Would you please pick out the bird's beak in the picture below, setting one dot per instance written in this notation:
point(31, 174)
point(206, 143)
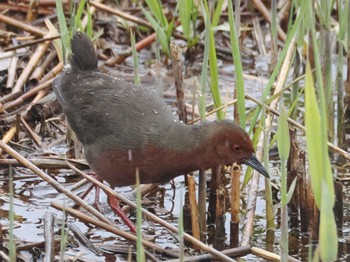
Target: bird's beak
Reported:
point(254, 163)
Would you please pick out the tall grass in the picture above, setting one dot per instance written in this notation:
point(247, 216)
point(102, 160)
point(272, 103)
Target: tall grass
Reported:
point(140, 253)
point(65, 38)
point(320, 170)
point(214, 76)
point(204, 73)
point(283, 142)
point(236, 54)
point(137, 80)
point(160, 24)
point(63, 46)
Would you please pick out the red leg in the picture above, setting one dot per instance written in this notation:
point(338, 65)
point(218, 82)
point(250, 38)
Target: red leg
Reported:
point(114, 204)
point(112, 201)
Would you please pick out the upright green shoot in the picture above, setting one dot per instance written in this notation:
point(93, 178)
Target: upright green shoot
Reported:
point(139, 247)
point(12, 245)
point(320, 170)
point(236, 54)
point(65, 38)
point(214, 76)
point(283, 142)
point(137, 80)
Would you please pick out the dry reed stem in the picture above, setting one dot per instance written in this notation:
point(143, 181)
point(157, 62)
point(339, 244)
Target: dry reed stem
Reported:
point(259, 36)
point(39, 71)
point(194, 209)
point(4, 256)
point(12, 72)
point(254, 183)
point(220, 210)
point(232, 252)
point(81, 216)
point(56, 185)
point(49, 223)
point(121, 14)
point(34, 60)
point(34, 42)
point(8, 136)
point(36, 139)
point(178, 78)
point(45, 163)
point(48, 2)
point(270, 256)
point(140, 45)
point(25, 27)
point(24, 9)
point(235, 205)
point(154, 218)
point(20, 100)
point(266, 14)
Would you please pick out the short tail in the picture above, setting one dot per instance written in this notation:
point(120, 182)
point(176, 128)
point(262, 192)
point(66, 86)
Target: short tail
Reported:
point(84, 57)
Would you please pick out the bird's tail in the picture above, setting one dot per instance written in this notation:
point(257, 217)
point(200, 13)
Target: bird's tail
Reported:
point(84, 57)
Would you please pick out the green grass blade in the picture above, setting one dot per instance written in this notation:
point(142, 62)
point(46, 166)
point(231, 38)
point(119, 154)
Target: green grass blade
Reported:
point(79, 14)
point(12, 245)
point(320, 170)
point(64, 30)
point(238, 67)
point(322, 131)
point(343, 20)
point(139, 246)
point(181, 231)
point(313, 136)
point(156, 8)
point(137, 80)
point(214, 76)
point(217, 13)
point(161, 34)
point(89, 30)
point(72, 21)
point(204, 77)
point(283, 141)
point(185, 9)
point(328, 238)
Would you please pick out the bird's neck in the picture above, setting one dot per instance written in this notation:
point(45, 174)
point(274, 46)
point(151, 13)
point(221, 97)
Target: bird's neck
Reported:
point(193, 143)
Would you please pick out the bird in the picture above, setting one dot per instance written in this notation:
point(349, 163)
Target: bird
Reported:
point(124, 127)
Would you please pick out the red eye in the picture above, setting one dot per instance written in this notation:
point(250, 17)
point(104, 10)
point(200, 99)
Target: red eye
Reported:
point(236, 148)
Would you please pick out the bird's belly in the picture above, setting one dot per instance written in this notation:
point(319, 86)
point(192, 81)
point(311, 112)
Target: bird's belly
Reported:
point(119, 167)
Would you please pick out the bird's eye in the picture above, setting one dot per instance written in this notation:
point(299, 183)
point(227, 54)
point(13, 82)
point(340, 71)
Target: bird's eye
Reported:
point(237, 148)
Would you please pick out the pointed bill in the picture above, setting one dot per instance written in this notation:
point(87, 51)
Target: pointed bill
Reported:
point(254, 163)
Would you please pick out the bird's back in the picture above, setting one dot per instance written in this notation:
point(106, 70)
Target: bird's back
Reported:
point(97, 104)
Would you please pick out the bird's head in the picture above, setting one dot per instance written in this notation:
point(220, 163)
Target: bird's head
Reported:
point(232, 144)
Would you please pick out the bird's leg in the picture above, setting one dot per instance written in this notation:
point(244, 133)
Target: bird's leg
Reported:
point(97, 192)
point(113, 202)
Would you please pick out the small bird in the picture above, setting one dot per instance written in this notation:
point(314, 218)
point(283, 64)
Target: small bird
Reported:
point(124, 127)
